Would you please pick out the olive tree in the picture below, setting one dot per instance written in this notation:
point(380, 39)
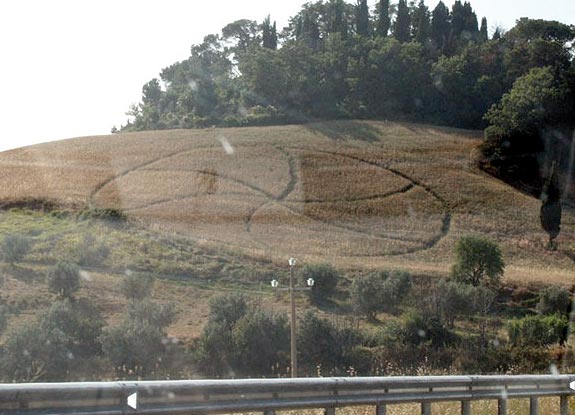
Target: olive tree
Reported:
point(478, 260)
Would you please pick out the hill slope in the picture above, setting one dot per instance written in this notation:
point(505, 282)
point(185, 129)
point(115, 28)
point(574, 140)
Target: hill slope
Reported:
point(355, 194)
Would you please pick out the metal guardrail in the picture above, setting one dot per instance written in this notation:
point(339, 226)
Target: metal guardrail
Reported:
point(270, 395)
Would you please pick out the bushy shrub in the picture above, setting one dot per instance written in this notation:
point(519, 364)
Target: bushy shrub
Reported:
point(477, 260)
point(241, 340)
point(136, 287)
point(554, 300)
point(325, 280)
point(105, 214)
point(261, 344)
point(227, 309)
point(325, 346)
point(64, 279)
point(80, 322)
point(138, 346)
point(379, 292)
point(33, 353)
point(90, 251)
point(15, 248)
point(537, 330)
point(418, 328)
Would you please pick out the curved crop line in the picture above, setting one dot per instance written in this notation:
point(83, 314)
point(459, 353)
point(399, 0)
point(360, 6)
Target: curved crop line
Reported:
point(271, 199)
point(446, 221)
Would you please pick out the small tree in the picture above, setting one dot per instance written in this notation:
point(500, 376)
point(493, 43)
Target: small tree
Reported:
point(325, 280)
point(64, 279)
point(453, 299)
point(15, 247)
point(138, 345)
point(379, 291)
point(477, 258)
point(550, 214)
point(554, 300)
point(137, 287)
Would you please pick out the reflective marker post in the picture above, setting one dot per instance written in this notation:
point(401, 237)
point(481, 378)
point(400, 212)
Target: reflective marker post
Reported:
point(292, 262)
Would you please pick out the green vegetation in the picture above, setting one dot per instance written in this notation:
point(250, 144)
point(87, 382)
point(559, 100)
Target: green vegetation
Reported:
point(379, 292)
point(554, 300)
point(15, 248)
point(478, 261)
point(64, 279)
point(325, 279)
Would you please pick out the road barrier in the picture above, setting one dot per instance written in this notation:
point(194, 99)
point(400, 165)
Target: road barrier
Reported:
point(271, 395)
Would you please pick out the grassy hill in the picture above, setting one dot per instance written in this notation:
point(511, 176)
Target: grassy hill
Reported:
point(218, 209)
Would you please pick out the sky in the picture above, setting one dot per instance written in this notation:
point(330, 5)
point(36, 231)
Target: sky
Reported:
point(72, 68)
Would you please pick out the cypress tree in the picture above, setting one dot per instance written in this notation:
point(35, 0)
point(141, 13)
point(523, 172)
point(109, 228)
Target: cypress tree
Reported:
point(483, 36)
point(401, 30)
point(440, 26)
point(383, 21)
point(421, 23)
point(550, 213)
point(362, 18)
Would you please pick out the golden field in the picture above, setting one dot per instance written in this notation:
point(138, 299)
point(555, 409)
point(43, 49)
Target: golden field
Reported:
point(357, 194)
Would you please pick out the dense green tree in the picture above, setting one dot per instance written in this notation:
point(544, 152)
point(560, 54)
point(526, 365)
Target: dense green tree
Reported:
point(242, 33)
point(550, 213)
point(379, 292)
point(440, 26)
point(325, 280)
point(325, 346)
point(383, 19)
point(138, 346)
point(483, 34)
point(421, 23)
point(402, 25)
point(554, 300)
point(478, 261)
point(260, 344)
point(362, 18)
point(269, 34)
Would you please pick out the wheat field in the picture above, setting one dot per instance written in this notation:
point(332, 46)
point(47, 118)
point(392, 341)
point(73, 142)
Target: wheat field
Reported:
point(356, 194)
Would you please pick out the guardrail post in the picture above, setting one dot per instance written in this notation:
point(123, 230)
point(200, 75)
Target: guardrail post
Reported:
point(381, 409)
point(329, 411)
point(564, 405)
point(502, 407)
point(533, 406)
point(425, 408)
point(465, 408)
point(270, 412)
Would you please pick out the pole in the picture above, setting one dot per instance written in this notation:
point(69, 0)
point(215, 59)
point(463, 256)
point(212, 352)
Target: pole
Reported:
point(293, 328)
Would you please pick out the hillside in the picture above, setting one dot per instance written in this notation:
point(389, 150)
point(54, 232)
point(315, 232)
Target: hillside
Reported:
point(354, 194)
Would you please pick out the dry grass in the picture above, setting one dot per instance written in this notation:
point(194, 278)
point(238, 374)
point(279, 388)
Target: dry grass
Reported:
point(358, 194)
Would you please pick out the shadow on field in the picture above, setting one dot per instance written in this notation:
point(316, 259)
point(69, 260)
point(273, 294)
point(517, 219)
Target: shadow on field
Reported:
point(346, 130)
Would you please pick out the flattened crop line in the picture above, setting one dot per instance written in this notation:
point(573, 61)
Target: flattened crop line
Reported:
point(292, 174)
point(283, 195)
point(106, 182)
point(404, 189)
point(446, 221)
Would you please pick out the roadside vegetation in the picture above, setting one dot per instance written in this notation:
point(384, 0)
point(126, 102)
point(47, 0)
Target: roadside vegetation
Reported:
point(58, 324)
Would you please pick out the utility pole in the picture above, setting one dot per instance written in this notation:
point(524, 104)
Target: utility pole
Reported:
point(293, 318)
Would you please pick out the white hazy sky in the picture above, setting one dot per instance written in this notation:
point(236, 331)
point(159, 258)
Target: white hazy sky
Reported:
point(72, 68)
